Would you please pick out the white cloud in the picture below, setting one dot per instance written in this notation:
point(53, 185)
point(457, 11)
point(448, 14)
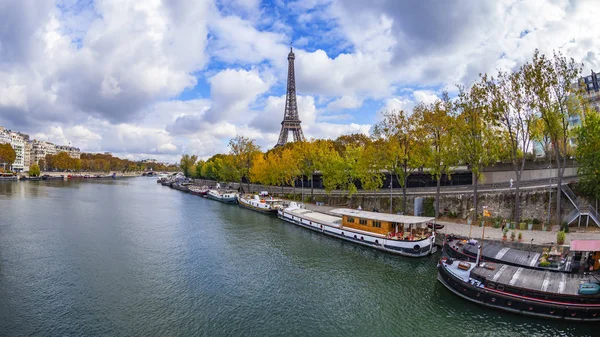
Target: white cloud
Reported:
point(129, 76)
point(345, 102)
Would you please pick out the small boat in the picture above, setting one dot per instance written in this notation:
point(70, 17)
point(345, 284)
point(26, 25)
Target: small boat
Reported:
point(392, 233)
point(437, 226)
point(200, 191)
point(8, 176)
point(25, 178)
point(228, 197)
point(181, 186)
point(49, 177)
point(521, 290)
point(260, 204)
point(589, 288)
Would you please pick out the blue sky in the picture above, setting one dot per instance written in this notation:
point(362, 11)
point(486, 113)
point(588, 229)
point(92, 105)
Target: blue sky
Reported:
point(156, 79)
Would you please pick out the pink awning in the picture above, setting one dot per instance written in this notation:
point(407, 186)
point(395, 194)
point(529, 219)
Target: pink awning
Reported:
point(585, 245)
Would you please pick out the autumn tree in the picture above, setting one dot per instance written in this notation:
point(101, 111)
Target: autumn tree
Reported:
point(243, 151)
point(553, 86)
point(341, 171)
point(404, 146)
point(354, 140)
point(478, 140)
point(436, 123)
point(34, 170)
point(510, 103)
point(371, 164)
point(7, 155)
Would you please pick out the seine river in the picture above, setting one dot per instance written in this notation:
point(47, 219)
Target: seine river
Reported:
point(133, 258)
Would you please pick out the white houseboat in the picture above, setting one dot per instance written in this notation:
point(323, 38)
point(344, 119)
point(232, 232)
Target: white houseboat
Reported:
point(260, 204)
point(397, 234)
point(228, 197)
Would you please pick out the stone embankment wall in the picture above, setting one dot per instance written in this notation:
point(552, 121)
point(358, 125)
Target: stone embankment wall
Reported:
point(534, 203)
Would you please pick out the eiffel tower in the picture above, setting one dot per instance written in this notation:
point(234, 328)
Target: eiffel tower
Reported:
point(291, 121)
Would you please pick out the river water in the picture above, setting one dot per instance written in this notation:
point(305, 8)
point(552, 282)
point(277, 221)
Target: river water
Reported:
point(133, 258)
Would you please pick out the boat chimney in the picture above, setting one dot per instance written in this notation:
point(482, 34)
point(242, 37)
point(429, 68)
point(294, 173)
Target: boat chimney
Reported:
point(478, 255)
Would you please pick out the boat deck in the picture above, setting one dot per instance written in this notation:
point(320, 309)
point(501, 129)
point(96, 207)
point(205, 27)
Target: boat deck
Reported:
point(536, 280)
point(315, 216)
point(509, 255)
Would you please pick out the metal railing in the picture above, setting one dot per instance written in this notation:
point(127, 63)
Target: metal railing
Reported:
point(581, 207)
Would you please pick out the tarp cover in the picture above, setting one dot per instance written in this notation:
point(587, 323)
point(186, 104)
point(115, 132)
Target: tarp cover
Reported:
point(585, 245)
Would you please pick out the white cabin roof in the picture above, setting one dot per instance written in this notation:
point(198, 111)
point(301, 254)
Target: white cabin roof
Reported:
point(406, 219)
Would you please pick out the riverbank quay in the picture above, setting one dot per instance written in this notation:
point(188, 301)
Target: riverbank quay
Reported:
point(538, 198)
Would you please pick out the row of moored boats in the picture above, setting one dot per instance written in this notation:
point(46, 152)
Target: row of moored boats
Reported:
point(492, 275)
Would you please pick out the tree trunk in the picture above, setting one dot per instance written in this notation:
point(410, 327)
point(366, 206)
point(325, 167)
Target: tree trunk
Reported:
point(302, 194)
point(558, 187)
point(404, 195)
point(311, 185)
point(475, 184)
point(517, 199)
point(437, 197)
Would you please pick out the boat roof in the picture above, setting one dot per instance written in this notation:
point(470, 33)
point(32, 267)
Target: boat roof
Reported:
point(407, 219)
point(585, 246)
point(531, 279)
point(314, 216)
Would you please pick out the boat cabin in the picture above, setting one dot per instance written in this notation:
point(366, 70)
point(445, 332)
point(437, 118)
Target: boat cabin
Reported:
point(397, 227)
point(587, 253)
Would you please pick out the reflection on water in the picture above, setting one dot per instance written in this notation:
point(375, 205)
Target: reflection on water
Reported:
point(130, 257)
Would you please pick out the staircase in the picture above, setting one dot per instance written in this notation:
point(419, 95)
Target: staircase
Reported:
point(582, 208)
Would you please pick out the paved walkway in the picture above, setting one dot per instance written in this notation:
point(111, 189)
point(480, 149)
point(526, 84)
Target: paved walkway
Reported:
point(539, 237)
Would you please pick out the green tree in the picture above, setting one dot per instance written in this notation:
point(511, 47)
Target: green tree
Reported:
point(588, 154)
point(243, 151)
point(7, 155)
point(370, 164)
point(437, 126)
point(552, 84)
point(34, 170)
point(199, 169)
point(341, 171)
point(404, 147)
point(478, 141)
point(187, 163)
point(510, 103)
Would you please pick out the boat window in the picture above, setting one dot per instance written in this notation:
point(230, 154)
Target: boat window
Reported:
point(500, 287)
point(377, 224)
point(350, 219)
point(362, 221)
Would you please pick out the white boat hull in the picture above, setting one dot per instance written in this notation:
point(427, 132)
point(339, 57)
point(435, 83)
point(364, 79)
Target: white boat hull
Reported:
point(405, 248)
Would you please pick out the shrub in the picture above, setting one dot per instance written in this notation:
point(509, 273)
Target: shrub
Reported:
point(428, 207)
point(520, 236)
point(452, 214)
point(560, 237)
point(522, 226)
point(565, 227)
point(544, 264)
point(536, 221)
point(513, 234)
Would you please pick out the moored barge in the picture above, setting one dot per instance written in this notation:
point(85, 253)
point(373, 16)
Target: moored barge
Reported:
point(464, 249)
point(523, 291)
point(228, 197)
point(397, 234)
point(265, 205)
